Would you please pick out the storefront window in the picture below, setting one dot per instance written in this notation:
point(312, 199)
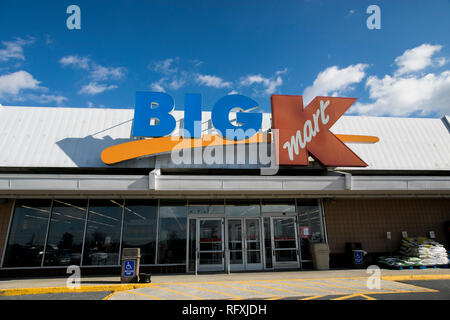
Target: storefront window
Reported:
point(310, 223)
point(65, 237)
point(192, 244)
point(102, 242)
point(139, 228)
point(172, 232)
point(206, 207)
point(27, 235)
point(242, 208)
point(277, 206)
point(268, 243)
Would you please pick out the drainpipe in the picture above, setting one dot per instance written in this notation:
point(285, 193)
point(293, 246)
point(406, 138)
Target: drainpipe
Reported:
point(152, 178)
point(348, 180)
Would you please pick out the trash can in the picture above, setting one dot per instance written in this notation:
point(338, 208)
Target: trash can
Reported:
point(145, 277)
point(130, 265)
point(320, 256)
point(358, 259)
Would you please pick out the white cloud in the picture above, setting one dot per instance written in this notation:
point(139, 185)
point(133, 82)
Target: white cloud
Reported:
point(75, 61)
point(104, 73)
point(13, 83)
point(212, 81)
point(95, 72)
point(14, 49)
point(13, 87)
point(409, 91)
point(48, 39)
point(402, 96)
point(174, 84)
point(281, 71)
point(157, 86)
point(94, 88)
point(233, 92)
point(196, 62)
point(165, 66)
point(334, 81)
point(46, 98)
point(269, 85)
point(417, 59)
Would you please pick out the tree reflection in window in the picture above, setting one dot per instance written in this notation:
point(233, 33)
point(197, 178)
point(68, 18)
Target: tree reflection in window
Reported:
point(65, 236)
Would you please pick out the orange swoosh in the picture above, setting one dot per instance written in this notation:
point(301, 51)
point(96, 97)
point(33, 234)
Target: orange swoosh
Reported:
point(140, 148)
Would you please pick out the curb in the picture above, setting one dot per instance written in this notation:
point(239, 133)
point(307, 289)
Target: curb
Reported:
point(93, 288)
point(417, 277)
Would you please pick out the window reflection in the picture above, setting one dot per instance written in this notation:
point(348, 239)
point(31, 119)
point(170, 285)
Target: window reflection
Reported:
point(139, 228)
point(27, 235)
point(103, 232)
point(240, 208)
point(310, 220)
point(206, 207)
point(277, 206)
point(65, 237)
point(172, 232)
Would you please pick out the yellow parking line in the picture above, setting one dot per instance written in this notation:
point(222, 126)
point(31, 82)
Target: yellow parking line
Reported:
point(274, 298)
point(243, 289)
point(144, 295)
point(367, 297)
point(390, 288)
point(109, 295)
point(273, 288)
point(359, 284)
point(178, 292)
point(312, 297)
point(335, 286)
point(305, 287)
point(217, 292)
point(347, 297)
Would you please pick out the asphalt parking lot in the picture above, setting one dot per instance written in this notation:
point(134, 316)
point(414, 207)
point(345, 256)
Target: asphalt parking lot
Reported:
point(428, 284)
point(289, 289)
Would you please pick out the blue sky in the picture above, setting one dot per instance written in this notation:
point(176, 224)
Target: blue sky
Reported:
point(255, 48)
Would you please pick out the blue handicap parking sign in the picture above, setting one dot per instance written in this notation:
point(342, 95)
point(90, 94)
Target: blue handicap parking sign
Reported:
point(128, 268)
point(358, 257)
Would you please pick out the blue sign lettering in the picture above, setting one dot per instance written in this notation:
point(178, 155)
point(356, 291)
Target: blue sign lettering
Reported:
point(152, 116)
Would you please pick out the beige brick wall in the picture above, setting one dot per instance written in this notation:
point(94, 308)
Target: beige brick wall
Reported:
point(5, 214)
point(367, 221)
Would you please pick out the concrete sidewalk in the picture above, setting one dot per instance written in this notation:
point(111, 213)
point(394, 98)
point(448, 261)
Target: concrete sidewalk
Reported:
point(113, 283)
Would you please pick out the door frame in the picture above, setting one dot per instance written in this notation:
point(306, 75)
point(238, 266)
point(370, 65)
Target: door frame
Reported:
point(290, 265)
point(245, 266)
point(209, 268)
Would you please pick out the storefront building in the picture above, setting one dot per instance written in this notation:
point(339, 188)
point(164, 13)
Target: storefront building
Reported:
point(61, 204)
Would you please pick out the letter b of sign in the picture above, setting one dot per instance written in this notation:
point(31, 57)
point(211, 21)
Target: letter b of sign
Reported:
point(374, 20)
point(74, 20)
point(152, 116)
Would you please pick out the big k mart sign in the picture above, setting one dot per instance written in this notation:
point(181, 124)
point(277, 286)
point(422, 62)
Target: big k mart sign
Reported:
point(296, 132)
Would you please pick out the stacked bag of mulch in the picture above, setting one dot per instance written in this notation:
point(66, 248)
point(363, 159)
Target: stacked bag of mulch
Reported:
point(428, 251)
point(397, 261)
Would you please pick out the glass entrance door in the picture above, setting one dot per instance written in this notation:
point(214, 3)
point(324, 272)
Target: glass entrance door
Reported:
point(244, 244)
point(284, 243)
point(235, 247)
point(210, 245)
